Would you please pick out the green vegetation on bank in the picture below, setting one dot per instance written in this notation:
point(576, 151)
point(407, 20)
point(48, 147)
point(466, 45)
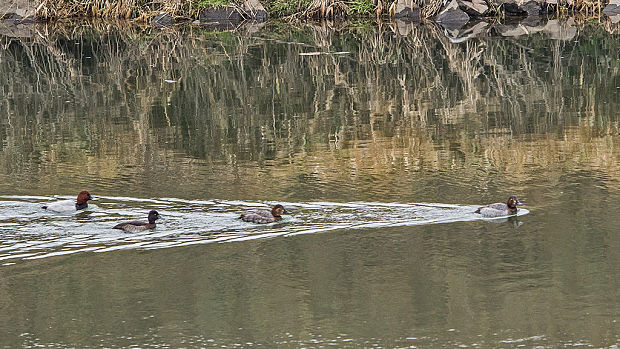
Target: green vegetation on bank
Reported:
point(280, 8)
point(212, 3)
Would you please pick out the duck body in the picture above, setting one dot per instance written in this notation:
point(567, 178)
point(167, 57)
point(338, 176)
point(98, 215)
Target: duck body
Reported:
point(262, 217)
point(499, 209)
point(138, 226)
point(68, 206)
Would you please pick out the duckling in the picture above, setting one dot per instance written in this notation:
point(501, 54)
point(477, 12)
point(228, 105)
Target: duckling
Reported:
point(265, 216)
point(70, 205)
point(137, 226)
point(499, 209)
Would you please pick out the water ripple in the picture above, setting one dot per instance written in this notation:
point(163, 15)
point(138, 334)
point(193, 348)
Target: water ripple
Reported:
point(27, 232)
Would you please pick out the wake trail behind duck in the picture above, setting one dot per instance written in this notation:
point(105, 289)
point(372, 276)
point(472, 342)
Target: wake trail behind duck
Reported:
point(29, 232)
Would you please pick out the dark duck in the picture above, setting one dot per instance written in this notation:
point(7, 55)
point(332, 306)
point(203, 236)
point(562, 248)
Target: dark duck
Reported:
point(265, 216)
point(137, 226)
point(499, 209)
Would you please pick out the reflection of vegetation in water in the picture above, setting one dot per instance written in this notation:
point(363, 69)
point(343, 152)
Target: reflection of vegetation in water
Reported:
point(142, 97)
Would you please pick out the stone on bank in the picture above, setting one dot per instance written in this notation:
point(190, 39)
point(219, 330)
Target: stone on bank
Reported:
point(248, 10)
point(17, 10)
point(405, 9)
point(452, 17)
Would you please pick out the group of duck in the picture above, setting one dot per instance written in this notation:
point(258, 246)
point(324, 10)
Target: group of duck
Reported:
point(67, 206)
point(260, 217)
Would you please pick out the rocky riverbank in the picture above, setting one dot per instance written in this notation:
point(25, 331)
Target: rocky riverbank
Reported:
point(452, 14)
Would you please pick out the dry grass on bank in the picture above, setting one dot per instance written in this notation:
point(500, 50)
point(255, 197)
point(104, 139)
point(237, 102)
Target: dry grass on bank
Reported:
point(144, 10)
point(126, 9)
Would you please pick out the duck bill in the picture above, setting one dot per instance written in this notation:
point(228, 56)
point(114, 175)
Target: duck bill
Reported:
point(286, 212)
point(519, 203)
point(92, 198)
point(160, 218)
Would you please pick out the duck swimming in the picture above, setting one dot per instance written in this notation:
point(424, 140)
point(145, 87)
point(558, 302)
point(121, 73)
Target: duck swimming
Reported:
point(265, 216)
point(136, 226)
point(70, 205)
point(499, 209)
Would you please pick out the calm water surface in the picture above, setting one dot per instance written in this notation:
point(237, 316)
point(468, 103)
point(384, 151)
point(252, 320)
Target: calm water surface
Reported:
point(381, 141)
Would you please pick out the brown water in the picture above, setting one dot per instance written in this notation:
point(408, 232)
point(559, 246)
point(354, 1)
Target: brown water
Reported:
point(381, 146)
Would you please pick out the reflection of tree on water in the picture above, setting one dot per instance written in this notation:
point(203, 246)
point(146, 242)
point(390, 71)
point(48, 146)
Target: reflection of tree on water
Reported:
point(394, 103)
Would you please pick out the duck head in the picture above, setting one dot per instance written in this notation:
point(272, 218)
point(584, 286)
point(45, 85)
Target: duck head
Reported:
point(153, 216)
point(513, 201)
point(278, 210)
point(84, 196)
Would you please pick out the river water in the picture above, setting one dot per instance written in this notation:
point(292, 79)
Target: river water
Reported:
point(380, 140)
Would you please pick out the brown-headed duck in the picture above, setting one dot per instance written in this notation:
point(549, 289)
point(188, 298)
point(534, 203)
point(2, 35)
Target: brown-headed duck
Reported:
point(265, 216)
point(137, 226)
point(70, 205)
point(499, 209)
